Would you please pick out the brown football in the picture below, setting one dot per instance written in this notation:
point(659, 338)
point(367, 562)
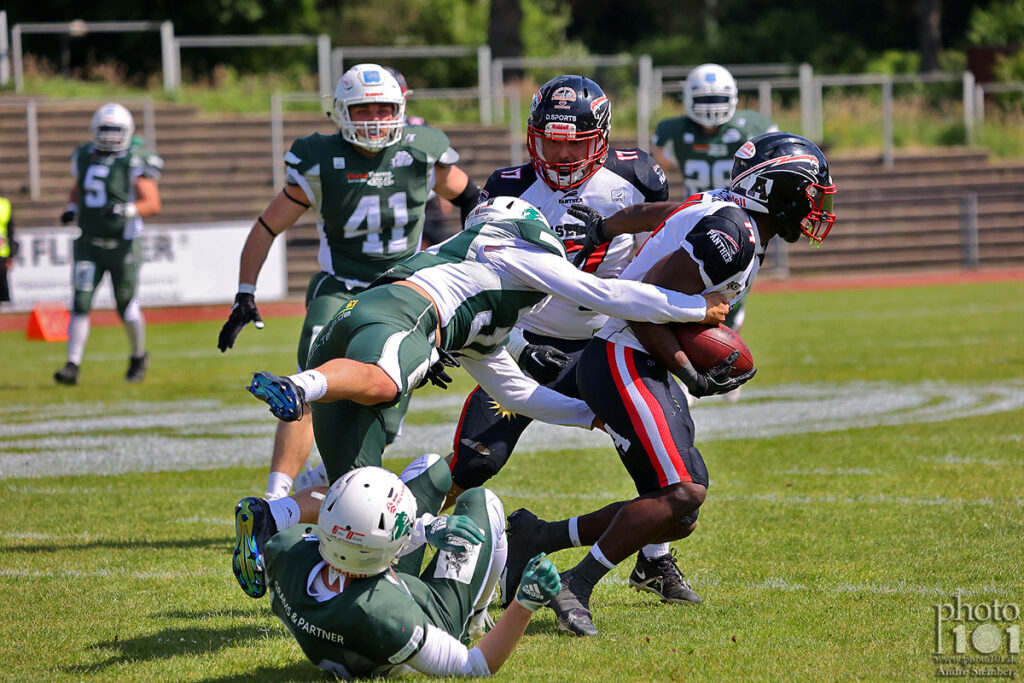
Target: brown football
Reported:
point(709, 345)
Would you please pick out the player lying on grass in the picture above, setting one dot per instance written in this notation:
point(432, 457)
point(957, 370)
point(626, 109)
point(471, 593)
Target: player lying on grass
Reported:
point(712, 242)
point(353, 614)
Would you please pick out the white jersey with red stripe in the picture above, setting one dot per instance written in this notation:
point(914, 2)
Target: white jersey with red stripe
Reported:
point(718, 235)
point(629, 176)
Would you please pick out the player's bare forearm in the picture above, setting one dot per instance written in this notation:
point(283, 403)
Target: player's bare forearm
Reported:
point(501, 640)
point(280, 214)
point(449, 181)
point(73, 195)
point(639, 218)
point(147, 197)
point(660, 342)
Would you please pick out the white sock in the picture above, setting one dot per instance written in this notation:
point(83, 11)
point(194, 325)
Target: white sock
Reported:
point(135, 326)
point(278, 485)
point(655, 550)
point(78, 334)
point(312, 382)
point(285, 512)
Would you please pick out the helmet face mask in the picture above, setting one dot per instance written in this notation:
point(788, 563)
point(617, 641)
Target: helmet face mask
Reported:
point(710, 95)
point(368, 84)
point(112, 127)
point(785, 176)
point(566, 110)
point(365, 521)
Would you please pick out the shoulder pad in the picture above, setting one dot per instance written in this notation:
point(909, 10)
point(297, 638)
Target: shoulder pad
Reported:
point(302, 154)
point(723, 242)
point(667, 128)
point(509, 182)
point(640, 170)
point(431, 141)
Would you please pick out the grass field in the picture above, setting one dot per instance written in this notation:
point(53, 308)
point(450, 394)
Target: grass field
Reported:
point(871, 472)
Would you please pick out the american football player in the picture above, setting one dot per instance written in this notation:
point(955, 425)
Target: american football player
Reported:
point(355, 615)
point(115, 187)
point(369, 184)
point(780, 186)
point(701, 144)
point(570, 165)
point(456, 301)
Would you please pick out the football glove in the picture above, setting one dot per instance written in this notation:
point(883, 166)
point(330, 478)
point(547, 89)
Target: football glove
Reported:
point(67, 217)
point(593, 224)
point(243, 312)
point(542, 362)
point(714, 381)
point(539, 584)
point(442, 530)
point(436, 374)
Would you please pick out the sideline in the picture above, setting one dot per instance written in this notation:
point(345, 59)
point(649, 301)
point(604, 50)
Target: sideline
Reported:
point(294, 306)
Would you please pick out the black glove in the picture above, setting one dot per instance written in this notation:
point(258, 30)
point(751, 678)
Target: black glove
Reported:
point(243, 312)
point(593, 224)
point(436, 374)
point(542, 362)
point(714, 381)
point(67, 217)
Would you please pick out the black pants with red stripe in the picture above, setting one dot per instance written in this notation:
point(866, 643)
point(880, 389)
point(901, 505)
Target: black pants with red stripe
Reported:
point(486, 437)
point(644, 411)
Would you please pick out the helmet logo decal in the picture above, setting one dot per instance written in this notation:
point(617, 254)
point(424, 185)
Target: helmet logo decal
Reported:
point(371, 77)
point(560, 131)
point(563, 96)
point(598, 103)
point(402, 526)
point(747, 151)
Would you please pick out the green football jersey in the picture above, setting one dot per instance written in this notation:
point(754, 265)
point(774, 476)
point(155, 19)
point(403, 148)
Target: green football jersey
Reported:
point(372, 625)
point(371, 208)
point(105, 180)
point(478, 307)
point(706, 160)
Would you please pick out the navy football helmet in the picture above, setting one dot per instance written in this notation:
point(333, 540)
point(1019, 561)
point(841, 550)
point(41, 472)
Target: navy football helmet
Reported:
point(569, 108)
point(785, 176)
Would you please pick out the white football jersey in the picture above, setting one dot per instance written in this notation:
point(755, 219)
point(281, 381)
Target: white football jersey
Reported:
point(720, 237)
point(628, 177)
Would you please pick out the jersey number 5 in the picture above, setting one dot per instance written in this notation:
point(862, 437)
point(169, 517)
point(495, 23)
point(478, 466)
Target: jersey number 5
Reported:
point(95, 188)
point(368, 211)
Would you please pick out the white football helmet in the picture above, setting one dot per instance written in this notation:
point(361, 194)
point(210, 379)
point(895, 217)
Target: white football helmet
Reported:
point(503, 209)
point(112, 128)
point(710, 95)
point(365, 521)
point(368, 83)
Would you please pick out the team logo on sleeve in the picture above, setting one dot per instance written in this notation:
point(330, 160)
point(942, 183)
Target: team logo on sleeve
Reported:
point(726, 245)
point(629, 155)
point(402, 158)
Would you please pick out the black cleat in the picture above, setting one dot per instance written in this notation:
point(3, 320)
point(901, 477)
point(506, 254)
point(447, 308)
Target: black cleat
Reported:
point(254, 525)
point(137, 368)
point(573, 610)
point(662, 577)
point(67, 374)
point(522, 531)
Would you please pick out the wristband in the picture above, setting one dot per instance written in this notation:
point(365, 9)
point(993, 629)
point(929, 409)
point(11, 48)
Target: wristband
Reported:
point(72, 207)
point(516, 343)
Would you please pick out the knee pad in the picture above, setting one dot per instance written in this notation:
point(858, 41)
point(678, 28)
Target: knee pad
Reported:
point(473, 468)
point(131, 311)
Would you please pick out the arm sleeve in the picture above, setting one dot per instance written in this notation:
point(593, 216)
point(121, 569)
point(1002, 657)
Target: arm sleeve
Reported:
point(623, 299)
point(443, 655)
point(501, 377)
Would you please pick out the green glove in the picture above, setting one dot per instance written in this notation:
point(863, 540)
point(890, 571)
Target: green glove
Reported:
point(440, 532)
point(539, 584)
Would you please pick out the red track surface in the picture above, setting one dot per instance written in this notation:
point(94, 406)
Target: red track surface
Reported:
point(10, 322)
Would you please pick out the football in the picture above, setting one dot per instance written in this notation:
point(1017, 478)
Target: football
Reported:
point(709, 345)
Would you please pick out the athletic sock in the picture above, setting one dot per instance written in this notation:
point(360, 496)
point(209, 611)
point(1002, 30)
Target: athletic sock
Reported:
point(78, 335)
point(285, 512)
point(654, 550)
point(278, 485)
point(312, 382)
point(554, 536)
point(584, 576)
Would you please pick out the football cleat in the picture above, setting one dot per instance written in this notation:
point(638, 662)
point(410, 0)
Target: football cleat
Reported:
point(280, 393)
point(254, 525)
point(137, 368)
point(573, 610)
point(67, 374)
point(661, 576)
point(522, 532)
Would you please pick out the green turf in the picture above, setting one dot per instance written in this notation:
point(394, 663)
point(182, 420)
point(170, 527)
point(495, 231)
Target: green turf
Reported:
point(819, 555)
